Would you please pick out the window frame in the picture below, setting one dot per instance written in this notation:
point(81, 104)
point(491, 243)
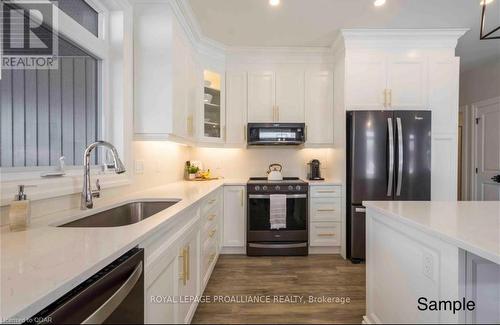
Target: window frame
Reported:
point(109, 91)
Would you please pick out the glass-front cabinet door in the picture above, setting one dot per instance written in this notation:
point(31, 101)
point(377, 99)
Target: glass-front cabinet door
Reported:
point(213, 106)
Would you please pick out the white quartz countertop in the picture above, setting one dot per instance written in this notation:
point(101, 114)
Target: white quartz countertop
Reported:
point(42, 263)
point(471, 226)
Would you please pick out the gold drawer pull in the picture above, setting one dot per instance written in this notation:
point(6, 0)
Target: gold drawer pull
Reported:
point(325, 191)
point(184, 273)
point(326, 235)
point(326, 210)
point(211, 217)
point(212, 201)
point(211, 258)
point(212, 233)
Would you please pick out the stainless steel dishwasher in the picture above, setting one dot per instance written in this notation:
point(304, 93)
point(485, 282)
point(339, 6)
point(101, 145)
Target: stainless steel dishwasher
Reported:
point(114, 295)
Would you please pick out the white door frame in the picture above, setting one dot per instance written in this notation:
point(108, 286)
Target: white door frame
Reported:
point(475, 107)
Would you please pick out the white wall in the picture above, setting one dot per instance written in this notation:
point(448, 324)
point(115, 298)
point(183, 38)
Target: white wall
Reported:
point(163, 163)
point(243, 163)
point(478, 83)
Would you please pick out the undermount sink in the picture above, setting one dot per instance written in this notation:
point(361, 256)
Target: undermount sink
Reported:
point(125, 214)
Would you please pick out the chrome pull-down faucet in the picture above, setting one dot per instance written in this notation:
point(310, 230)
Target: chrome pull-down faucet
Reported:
point(87, 193)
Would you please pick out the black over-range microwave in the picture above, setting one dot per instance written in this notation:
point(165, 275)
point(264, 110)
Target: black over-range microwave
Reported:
point(273, 134)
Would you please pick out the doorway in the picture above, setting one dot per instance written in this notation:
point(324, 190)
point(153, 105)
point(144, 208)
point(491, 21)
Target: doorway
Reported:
point(487, 150)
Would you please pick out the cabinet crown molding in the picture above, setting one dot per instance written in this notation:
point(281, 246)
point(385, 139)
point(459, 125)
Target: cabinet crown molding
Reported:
point(399, 38)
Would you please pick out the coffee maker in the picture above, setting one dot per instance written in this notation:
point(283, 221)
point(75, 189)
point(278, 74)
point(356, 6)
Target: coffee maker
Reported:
point(314, 170)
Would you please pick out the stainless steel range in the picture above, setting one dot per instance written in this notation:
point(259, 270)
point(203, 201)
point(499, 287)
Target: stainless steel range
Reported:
point(290, 240)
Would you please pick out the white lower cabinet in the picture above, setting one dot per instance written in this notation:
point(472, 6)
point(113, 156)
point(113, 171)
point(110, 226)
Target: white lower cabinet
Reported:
point(180, 260)
point(234, 216)
point(325, 212)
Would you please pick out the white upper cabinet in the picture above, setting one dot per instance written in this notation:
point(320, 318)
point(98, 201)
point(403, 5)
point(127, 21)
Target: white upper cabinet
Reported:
point(213, 114)
point(276, 97)
point(366, 79)
point(406, 81)
point(236, 108)
point(386, 81)
point(289, 97)
point(319, 107)
point(164, 75)
point(261, 97)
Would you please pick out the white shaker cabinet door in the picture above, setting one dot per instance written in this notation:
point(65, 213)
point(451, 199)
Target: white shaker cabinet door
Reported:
point(407, 81)
point(234, 216)
point(261, 97)
point(366, 81)
point(236, 107)
point(163, 281)
point(290, 97)
point(319, 107)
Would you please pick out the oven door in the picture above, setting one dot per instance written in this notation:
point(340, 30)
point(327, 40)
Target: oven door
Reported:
point(259, 227)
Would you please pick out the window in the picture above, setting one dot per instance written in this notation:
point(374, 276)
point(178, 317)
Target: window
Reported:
point(82, 13)
point(46, 114)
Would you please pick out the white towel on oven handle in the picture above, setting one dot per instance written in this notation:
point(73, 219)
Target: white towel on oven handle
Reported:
point(277, 211)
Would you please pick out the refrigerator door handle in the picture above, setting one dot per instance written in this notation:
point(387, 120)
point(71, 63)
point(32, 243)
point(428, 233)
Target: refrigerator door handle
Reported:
point(391, 156)
point(400, 156)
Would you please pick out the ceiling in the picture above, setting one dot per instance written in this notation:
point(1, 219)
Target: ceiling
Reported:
point(303, 23)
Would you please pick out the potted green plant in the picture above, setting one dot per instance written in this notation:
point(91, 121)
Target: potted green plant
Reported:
point(192, 170)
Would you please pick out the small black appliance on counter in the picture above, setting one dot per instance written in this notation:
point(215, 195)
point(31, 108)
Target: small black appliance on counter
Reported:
point(314, 171)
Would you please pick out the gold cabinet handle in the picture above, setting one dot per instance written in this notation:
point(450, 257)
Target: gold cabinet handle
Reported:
point(212, 201)
point(211, 258)
point(385, 97)
point(241, 197)
point(212, 233)
point(326, 235)
point(326, 210)
point(183, 275)
point(211, 217)
point(245, 133)
point(325, 191)
point(390, 97)
point(188, 265)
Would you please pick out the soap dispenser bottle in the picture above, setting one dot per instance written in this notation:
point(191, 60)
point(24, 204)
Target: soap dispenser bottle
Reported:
point(19, 211)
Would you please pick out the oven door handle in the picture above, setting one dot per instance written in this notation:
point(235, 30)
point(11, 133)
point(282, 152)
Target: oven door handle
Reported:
point(267, 196)
point(297, 245)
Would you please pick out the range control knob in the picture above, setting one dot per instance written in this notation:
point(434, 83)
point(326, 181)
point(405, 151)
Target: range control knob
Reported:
point(257, 187)
point(264, 188)
point(290, 187)
point(277, 188)
point(298, 188)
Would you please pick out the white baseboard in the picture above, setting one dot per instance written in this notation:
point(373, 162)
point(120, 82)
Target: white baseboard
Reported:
point(324, 250)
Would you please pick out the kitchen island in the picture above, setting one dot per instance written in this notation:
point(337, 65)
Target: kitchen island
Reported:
point(432, 262)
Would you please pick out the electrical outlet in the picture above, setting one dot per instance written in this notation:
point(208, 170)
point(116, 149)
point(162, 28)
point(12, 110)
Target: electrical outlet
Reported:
point(428, 265)
point(139, 167)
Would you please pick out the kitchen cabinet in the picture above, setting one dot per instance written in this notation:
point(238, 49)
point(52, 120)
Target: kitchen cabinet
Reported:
point(376, 81)
point(165, 72)
point(236, 108)
point(213, 115)
point(276, 97)
point(162, 283)
point(234, 216)
point(188, 267)
point(325, 213)
point(180, 260)
point(289, 96)
point(319, 107)
point(261, 97)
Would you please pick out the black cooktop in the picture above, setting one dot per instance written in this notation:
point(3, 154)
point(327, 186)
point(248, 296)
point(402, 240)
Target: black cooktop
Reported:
point(286, 180)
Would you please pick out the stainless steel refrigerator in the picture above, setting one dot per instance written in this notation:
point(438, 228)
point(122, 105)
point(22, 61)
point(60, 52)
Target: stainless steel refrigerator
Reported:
point(388, 158)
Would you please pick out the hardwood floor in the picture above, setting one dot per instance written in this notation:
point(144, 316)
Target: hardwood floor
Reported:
point(241, 277)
